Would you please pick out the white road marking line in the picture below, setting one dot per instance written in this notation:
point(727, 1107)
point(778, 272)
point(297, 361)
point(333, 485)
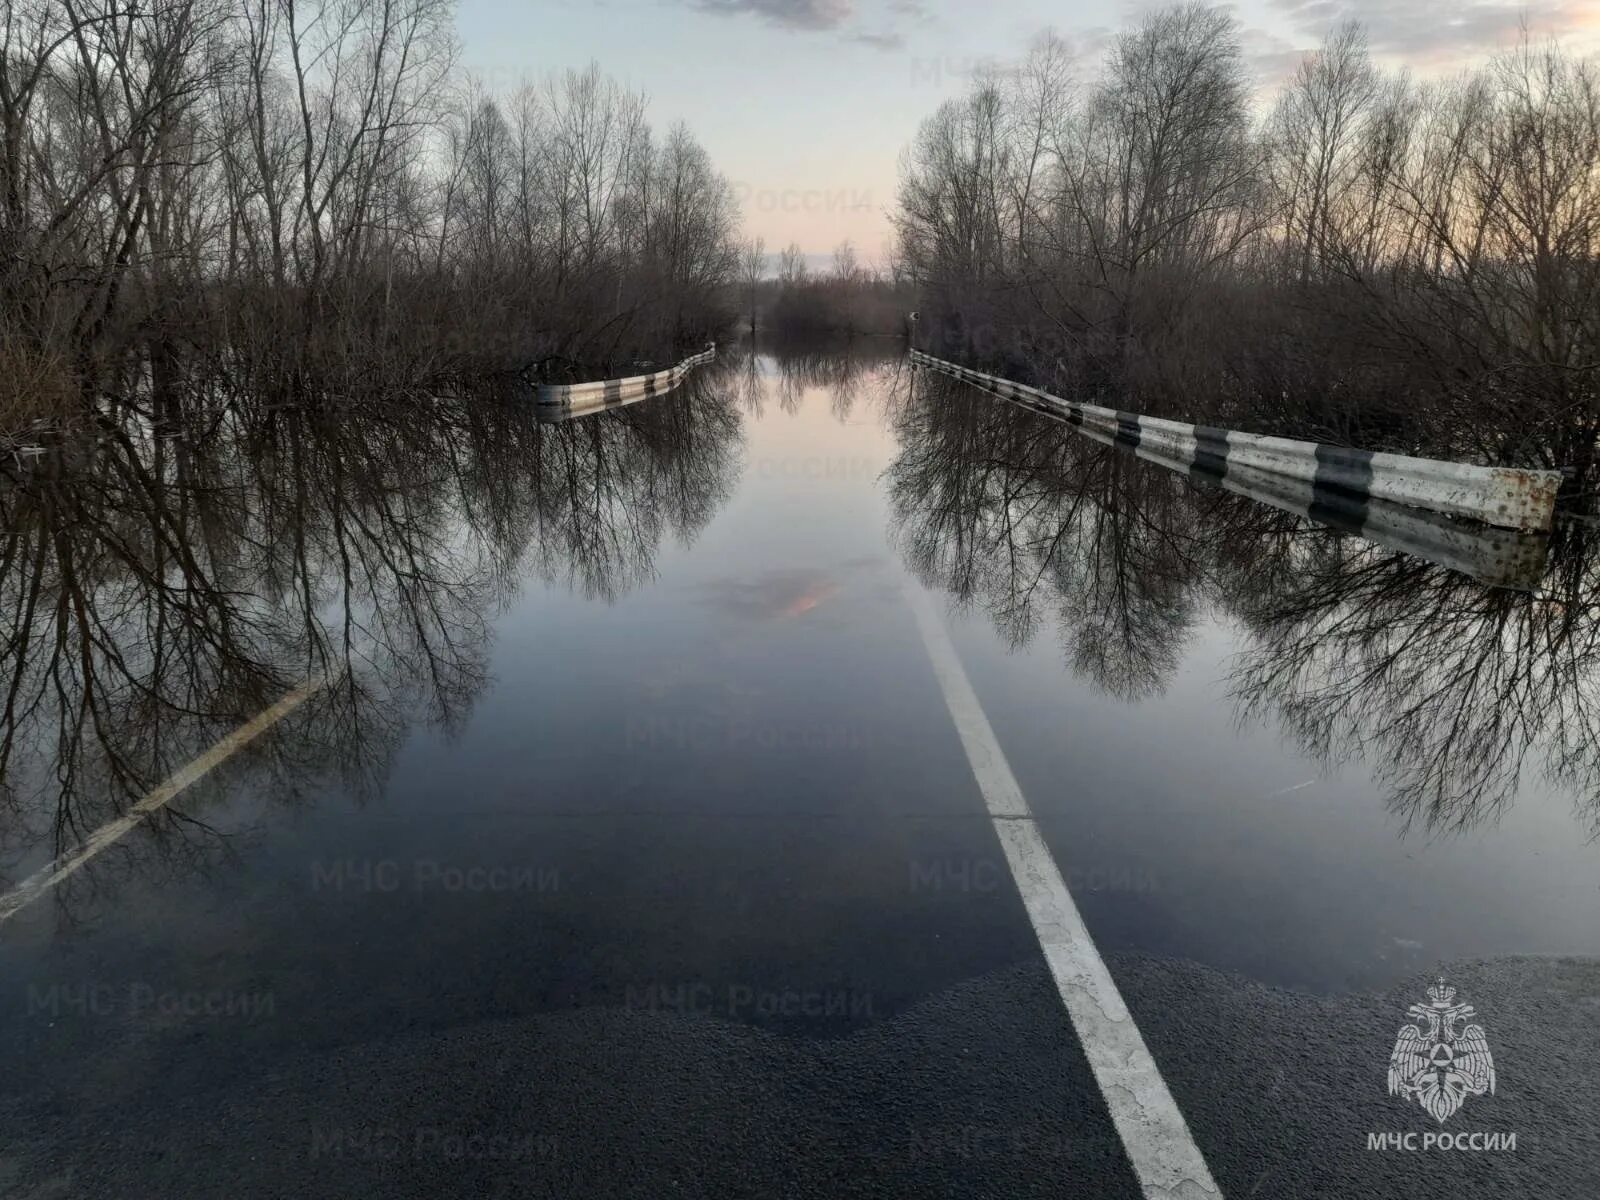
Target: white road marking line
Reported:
point(1157, 1139)
point(1286, 790)
point(108, 834)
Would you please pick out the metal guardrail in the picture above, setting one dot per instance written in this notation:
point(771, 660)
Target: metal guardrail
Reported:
point(565, 399)
point(1510, 497)
point(663, 383)
point(1508, 558)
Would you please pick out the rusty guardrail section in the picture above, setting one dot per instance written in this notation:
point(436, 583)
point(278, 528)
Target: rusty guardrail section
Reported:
point(558, 401)
point(1510, 497)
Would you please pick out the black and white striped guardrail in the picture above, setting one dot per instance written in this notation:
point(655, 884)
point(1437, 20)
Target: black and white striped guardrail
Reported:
point(1510, 497)
point(1508, 558)
point(663, 383)
point(559, 400)
point(1498, 557)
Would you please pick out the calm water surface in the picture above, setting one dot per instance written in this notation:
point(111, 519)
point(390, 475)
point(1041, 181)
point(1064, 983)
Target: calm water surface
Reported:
point(662, 656)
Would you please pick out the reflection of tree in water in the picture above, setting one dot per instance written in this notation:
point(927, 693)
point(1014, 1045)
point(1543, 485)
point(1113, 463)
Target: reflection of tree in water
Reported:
point(1444, 687)
point(840, 369)
point(158, 591)
point(748, 379)
point(1447, 689)
point(607, 490)
point(998, 507)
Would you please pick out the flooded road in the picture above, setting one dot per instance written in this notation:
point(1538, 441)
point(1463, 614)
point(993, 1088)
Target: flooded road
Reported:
point(623, 841)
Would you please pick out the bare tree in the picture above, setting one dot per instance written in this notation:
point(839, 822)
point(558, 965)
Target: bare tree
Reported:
point(304, 193)
point(752, 270)
point(1380, 263)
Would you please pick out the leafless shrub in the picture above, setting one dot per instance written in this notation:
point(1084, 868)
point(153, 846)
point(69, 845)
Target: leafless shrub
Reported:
point(1377, 262)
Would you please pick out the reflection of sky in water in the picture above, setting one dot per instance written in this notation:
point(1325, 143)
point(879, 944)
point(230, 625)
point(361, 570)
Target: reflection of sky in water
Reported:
point(693, 610)
point(773, 594)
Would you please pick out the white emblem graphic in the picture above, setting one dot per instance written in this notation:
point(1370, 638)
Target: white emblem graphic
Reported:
point(1441, 1066)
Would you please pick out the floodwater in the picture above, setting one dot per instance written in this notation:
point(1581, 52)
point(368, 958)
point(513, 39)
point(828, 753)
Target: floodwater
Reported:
point(629, 714)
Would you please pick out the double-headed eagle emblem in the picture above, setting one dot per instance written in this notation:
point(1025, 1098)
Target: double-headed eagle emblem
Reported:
point(1438, 1065)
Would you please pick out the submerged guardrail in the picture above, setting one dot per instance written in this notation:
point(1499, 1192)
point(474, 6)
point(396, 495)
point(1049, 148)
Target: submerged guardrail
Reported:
point(1510, 497)
point(554, 412)
point(558, 401)
point(1508, 558)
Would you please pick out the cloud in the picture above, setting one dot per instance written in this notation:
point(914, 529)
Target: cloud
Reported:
point(880, 28)
point(790, 14)
point(880, 41)
point(1428, 32)
point(1270, 59)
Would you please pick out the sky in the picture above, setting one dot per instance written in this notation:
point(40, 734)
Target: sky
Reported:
point(806, 105)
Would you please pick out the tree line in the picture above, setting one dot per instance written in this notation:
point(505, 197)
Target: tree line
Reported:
point(310, 194)
point(791, 300)
point(1365, 258)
